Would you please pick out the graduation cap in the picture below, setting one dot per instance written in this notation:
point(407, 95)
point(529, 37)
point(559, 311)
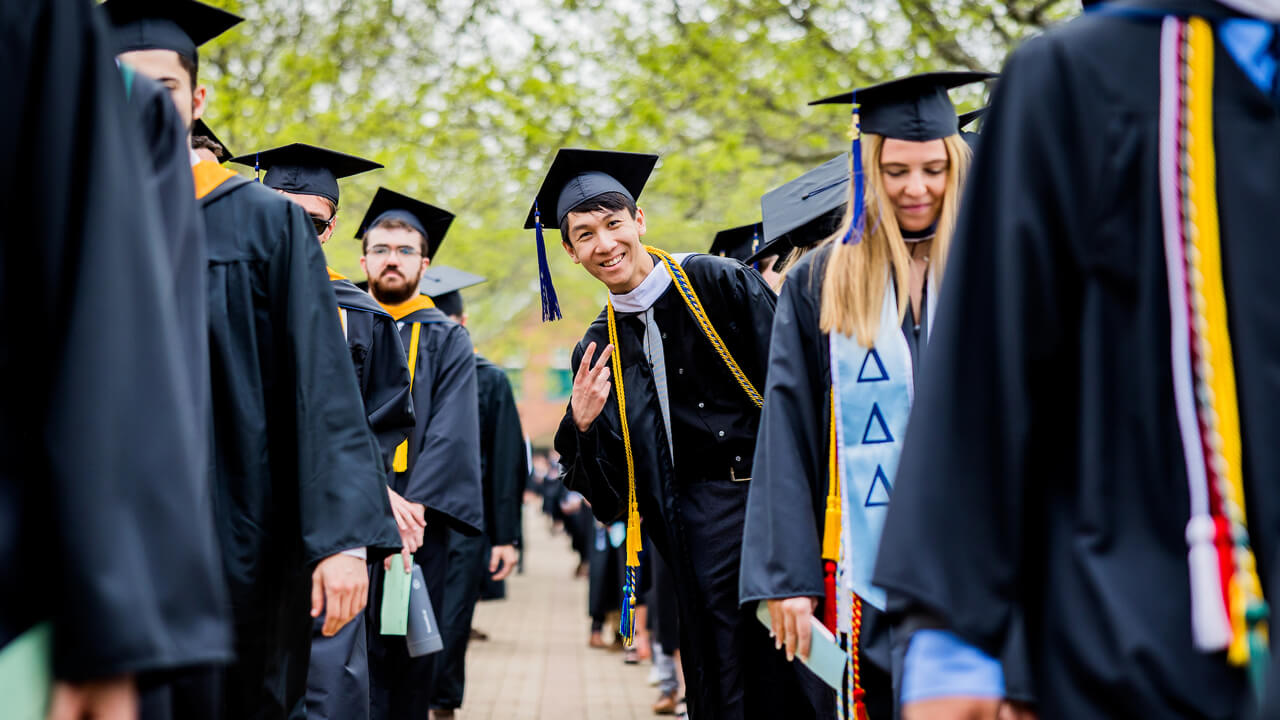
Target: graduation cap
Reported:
point(972, 116)
point(306, 169)
point(737, 243)
point(431, 221)
point(177, 25)
point(201, 130)
point(804, 211)
point(442, 284)
point(575, 177)
point(915, 108)
point(968, 119)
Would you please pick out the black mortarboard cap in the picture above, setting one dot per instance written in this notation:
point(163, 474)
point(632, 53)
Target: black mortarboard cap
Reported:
point(577, 176)
point(443, 283)
point(431, 221)
point(971, 117)
point(915, 108)
point(306, 169)
point(201, 129)
point(967, 119)
point(808, 208)
point(738, 243)
point(177, 25)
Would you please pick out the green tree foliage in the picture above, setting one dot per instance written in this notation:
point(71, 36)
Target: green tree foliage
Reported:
point(465, 101)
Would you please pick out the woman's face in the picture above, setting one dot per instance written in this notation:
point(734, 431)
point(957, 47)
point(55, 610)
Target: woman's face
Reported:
point(915, 179)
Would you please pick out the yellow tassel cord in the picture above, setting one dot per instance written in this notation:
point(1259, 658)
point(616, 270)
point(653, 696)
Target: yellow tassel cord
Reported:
point(833, 517)
point(634, 542)
point(695, 307)
point(401, 462)
point(1217, 370)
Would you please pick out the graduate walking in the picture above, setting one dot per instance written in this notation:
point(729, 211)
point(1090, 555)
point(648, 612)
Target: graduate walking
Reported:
point(338, 675)
point(1093, 444)
point(298, 495)
point(662, 421)
point(851, 331)
point(437, 470)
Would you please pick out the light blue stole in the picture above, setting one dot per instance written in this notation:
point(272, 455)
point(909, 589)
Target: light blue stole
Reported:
point(873, 392)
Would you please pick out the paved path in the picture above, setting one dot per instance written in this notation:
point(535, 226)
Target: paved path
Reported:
point(536, 663)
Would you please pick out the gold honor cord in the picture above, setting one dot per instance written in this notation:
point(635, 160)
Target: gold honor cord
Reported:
point(634, 542)
point(695, 307)
point(401, 462)
point(1219, 411)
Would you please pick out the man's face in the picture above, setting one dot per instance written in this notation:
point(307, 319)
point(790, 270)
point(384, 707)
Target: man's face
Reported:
point(393, 262)
point(608, 245)
point(321, 211)
point(165, 67)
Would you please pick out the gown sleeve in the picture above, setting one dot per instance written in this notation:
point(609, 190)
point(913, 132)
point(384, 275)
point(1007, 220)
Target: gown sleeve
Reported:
point(996, 384)
point(587, 467)
point(782, 544)
point(341, 490)
point(446, 473)
point(506, 464)
point(387, 400)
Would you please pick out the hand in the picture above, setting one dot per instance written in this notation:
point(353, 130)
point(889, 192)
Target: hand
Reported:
point(789, 624)
point(340, 588)
point(590, 387)
point(411, 520)
point(502, 560)
point(952, 708)
point(1012, 710)
point(111, 699)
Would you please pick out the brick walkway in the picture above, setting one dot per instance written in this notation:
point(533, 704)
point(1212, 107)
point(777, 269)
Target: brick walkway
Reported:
point(536, 663)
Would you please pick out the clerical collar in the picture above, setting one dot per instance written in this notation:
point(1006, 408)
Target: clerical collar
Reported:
point(408, 307)
point(643, 296)
point(915, 236)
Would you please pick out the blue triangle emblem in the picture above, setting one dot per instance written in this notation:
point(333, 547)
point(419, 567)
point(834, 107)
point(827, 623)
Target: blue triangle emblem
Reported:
point(878, 495)
point(878, 373)
point(877, 431)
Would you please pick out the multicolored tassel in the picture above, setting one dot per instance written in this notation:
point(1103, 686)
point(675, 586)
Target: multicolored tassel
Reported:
point(257, 175)
point(1229, 610)
point(857, 224)
point(550, 303)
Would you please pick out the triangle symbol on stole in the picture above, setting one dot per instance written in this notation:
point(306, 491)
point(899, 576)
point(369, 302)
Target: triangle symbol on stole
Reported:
point(878, 495)
point(877, 431)
point(878, 373)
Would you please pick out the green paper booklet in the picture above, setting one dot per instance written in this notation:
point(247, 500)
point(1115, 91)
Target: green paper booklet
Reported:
point(26, 674)
point(395, 599)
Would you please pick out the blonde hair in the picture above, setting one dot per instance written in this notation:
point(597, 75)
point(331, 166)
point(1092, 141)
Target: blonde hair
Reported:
point(854, 284)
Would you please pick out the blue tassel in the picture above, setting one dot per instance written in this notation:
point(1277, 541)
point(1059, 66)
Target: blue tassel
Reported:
point(755, 246)
point(854, 234)
point(550, 304)
point(256, 176)
point(629, 585)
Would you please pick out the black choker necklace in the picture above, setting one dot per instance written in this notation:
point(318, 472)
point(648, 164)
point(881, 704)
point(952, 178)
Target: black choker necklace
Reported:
point(915, 236)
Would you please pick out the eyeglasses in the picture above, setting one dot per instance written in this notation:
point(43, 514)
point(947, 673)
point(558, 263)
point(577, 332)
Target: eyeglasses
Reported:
point(321, 223)
point(404, 251)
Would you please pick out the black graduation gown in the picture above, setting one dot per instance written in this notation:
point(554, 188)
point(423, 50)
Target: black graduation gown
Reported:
point(782, 541)
point(444, 475)
point(296, 470)
point(692, 510)
point(502, 472)
point(503, 462)
point(104, 529)
point(338, 678)
point(382, 371)
point(1043, 467)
